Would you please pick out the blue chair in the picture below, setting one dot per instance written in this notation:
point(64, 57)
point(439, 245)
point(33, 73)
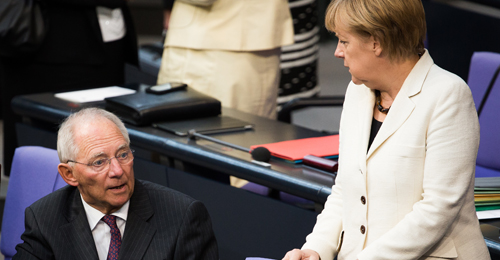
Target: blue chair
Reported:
point(485, 87)
point(33, 175)
point(482, 69)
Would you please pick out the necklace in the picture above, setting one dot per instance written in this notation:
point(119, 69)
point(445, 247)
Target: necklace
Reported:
point(379, 106)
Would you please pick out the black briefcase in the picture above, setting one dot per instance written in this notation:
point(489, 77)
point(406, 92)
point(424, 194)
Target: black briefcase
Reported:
point(144, 108)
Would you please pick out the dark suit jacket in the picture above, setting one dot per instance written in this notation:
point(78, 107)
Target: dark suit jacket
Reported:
point(162, 224)
point(72, 56)
point(74, 35)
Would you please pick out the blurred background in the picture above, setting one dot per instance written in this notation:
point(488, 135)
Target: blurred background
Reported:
point(456, 29)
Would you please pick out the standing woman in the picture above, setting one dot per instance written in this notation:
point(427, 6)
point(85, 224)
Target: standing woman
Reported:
point(409, 136)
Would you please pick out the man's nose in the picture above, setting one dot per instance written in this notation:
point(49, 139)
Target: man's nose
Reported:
point(115, 168)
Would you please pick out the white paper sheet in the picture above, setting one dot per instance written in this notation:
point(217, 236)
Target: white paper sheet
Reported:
point(96, 94)
point(488, 214)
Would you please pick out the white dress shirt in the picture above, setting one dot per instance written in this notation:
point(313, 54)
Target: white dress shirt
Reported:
point(111, 22)
point(101, 230)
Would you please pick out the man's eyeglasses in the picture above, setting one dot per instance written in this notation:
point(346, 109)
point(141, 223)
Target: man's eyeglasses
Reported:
point(102, 164)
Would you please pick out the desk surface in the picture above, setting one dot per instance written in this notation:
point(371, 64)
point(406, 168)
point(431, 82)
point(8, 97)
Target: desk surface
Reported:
point(303, 181)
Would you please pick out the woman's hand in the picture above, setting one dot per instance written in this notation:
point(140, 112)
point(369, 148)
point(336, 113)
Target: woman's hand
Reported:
point(297, 254)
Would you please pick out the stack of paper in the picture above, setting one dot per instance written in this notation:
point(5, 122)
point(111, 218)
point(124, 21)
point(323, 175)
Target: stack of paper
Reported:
point(487, 194)
point(95, 94)
point(295, 150)
point(487, 198)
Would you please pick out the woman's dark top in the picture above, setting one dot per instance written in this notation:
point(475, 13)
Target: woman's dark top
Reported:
point(375, 127)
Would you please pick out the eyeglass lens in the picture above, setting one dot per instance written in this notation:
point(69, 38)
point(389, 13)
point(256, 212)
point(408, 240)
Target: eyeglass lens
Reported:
point(122, 158)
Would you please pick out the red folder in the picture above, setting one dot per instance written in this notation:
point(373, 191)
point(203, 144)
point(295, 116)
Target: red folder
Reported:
point(295, 150)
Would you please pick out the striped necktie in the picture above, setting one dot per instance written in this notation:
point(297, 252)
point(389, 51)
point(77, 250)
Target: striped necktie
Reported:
point(116, 239)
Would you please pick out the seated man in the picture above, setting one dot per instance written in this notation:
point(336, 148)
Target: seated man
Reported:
point(104, 213)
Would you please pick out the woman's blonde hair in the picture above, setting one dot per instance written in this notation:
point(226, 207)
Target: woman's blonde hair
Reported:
point(399, 25)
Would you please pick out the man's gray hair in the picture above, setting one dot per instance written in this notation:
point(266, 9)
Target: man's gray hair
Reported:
point(67, 149)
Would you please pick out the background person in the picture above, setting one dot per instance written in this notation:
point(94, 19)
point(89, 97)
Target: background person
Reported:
point(409, 136)
point(228, 49)
point(151, 221)
point(87, 45)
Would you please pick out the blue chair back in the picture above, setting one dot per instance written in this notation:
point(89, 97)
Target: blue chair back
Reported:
point(481, 74)
point(33, 175)
point(489, 147)
point(482, 69)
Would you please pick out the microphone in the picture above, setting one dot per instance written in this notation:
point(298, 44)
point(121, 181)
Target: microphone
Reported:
point(192, 134)
point(260, 155)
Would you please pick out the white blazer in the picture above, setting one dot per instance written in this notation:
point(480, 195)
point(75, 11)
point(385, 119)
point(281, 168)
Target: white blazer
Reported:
point(411, 195)
point(231, 25)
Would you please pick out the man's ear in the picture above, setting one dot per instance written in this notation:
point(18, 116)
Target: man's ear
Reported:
point(66, 173)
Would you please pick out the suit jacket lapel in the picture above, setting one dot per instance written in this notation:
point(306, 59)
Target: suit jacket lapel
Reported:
point(403, 106)
point(365, 116)
point(400, 110)
point(138, 231)
point(77, 231)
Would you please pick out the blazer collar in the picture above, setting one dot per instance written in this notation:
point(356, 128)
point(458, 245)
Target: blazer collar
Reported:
point(138, 231)
point(365, 114)
point(402, 107)
point(77, 231)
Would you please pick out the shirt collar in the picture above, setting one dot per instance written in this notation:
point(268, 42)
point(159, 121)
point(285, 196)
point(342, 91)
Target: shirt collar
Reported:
point(94, 215)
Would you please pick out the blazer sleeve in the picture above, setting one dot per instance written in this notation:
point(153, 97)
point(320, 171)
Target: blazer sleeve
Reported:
point(34, 245)
point(326, 237)
point(327, 234)
point(196, 238)
point(452, 142)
